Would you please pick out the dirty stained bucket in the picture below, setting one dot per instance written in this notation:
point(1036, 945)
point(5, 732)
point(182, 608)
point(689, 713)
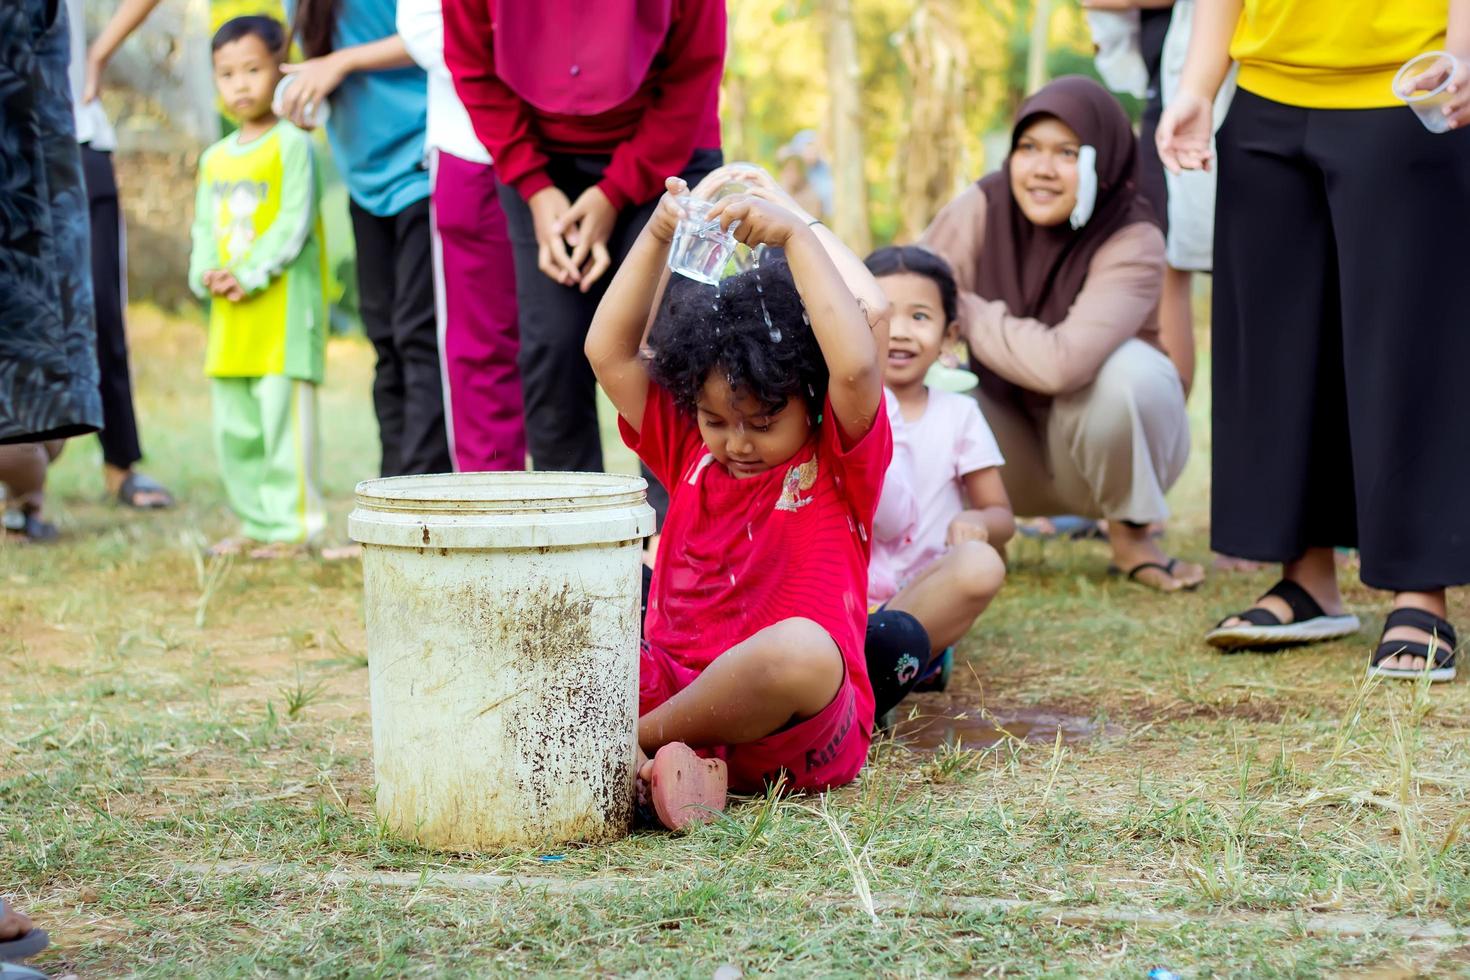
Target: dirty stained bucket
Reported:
point(502, 628)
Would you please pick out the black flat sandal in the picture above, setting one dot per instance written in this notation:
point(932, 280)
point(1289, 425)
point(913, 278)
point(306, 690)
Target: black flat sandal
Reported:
point(1263, 629)
point(1439, 663)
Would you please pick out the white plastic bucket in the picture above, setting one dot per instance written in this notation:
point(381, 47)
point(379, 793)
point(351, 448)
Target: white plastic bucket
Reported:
point(502, 627)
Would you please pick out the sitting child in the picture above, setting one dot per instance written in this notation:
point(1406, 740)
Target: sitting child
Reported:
point(944, 514)
point(258, 258)
point(759, 407)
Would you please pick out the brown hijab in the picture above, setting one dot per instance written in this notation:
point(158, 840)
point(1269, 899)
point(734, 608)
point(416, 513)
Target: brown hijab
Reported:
point(1038, 271)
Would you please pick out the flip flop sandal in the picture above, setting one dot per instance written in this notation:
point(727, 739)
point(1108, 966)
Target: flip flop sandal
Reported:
point(1439, 663)
point(23, 947)
point(686, 790)
point(1263, 629)
point(1166, 567)
point(135, 485)
point(26, 526)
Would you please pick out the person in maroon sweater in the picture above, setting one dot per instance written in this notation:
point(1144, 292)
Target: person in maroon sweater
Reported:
point(584, 122)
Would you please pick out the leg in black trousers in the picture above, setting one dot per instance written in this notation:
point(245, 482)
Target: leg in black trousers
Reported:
point(374, 239)
point(119, 435)
point(425, 445)
point(396, 292)
point(560, 390)
point(1283, 465)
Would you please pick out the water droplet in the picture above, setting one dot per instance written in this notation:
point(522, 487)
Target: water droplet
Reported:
point(811, 392)
point(775, 333)
point(749, 533)
point(862, 533)
point(732, 578)
point(806, 319)
point(850, 526)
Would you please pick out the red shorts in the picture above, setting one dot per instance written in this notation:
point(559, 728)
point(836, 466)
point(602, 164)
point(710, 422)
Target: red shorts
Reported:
point(827, 749)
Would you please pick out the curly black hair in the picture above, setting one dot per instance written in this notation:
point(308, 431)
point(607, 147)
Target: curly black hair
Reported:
point(753, 329)
point(898, 259)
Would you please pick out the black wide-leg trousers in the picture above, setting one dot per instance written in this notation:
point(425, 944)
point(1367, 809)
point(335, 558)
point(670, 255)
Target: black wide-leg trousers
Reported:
point(1341, 334)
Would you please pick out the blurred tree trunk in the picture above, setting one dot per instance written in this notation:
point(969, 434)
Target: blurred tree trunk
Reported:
point(1036, 54)
point(850, 220)
point(931, 158)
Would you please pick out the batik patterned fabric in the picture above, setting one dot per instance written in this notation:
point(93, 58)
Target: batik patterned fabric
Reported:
point(48, 358)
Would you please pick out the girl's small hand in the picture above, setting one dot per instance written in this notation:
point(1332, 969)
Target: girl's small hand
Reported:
point(315, 81)
point(969, 525)
point(666, 216)
point(757, 221)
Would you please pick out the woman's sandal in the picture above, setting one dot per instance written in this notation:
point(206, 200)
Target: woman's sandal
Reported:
point(1263, 629)
point(687, 790)
point(1439, 662)
point(1166, 567)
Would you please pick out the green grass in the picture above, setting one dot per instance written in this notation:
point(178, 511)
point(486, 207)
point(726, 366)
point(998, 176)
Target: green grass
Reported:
point(186, 779)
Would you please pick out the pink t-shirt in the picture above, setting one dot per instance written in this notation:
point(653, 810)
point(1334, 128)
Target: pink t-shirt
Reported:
point(931, 457)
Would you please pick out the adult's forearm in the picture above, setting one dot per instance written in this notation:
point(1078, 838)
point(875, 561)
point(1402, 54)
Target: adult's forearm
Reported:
point(1208, 61)
point(1457, 33)
point(125, 20)
point(381, 55)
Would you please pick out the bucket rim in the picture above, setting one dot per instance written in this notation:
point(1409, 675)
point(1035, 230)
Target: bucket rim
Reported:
point(502, 492)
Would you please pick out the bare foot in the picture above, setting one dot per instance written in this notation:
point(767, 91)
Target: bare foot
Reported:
point(235, 544)
point(277, 550)
point(1229, 563)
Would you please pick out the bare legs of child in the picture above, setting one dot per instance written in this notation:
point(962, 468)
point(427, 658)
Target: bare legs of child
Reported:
point(949, 595)
point(786, 673)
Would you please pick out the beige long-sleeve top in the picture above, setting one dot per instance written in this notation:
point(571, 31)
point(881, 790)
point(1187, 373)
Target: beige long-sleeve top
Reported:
point(1119, 300)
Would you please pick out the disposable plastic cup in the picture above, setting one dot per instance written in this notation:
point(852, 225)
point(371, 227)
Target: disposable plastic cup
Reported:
point(1435, 69)
point(701, 249)
point(317, 113)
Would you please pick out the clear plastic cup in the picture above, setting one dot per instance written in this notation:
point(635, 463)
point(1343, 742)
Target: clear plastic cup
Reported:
point(701, 249)
point(317, 113)
point(1435, 69)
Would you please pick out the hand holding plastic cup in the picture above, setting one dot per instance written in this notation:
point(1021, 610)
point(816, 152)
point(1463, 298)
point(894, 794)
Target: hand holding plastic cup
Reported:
point(1424, 85)
point(701, 248)
point(313, 114)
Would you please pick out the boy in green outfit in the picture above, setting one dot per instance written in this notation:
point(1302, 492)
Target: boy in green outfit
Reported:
point(258, 254)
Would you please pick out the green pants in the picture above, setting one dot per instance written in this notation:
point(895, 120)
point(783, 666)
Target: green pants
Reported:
point(265, 433)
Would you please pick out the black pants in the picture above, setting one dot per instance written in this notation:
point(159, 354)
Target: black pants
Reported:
point(119, 435)
point(560, 390)
point(1153, 25)
point(1340, 331)
point(396, 284)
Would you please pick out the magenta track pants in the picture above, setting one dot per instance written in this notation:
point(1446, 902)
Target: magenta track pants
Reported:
point(475, 286)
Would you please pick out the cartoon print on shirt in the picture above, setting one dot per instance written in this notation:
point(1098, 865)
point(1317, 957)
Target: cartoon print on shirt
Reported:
point(798, 479)
point(242, 198)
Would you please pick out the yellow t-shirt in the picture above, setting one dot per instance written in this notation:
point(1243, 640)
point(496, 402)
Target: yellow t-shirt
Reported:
point(255, 215)
point(1333, 54)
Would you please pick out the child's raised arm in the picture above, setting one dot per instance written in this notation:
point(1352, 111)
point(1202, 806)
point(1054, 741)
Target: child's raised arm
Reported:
point(855, 386)
point(615, 339)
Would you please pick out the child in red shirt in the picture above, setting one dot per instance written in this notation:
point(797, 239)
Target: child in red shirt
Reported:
point(760, 408)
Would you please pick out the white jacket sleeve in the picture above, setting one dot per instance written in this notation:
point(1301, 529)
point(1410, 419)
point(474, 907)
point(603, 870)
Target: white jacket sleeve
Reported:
point(421, 25)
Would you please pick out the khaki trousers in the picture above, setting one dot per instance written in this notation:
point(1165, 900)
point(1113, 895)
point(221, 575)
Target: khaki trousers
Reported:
point(1110, 450)
point(23, 471)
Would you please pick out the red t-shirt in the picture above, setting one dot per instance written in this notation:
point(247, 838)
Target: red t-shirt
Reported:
point(738, 555)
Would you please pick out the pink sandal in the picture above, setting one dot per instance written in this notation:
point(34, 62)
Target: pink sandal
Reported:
point(686, 789)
